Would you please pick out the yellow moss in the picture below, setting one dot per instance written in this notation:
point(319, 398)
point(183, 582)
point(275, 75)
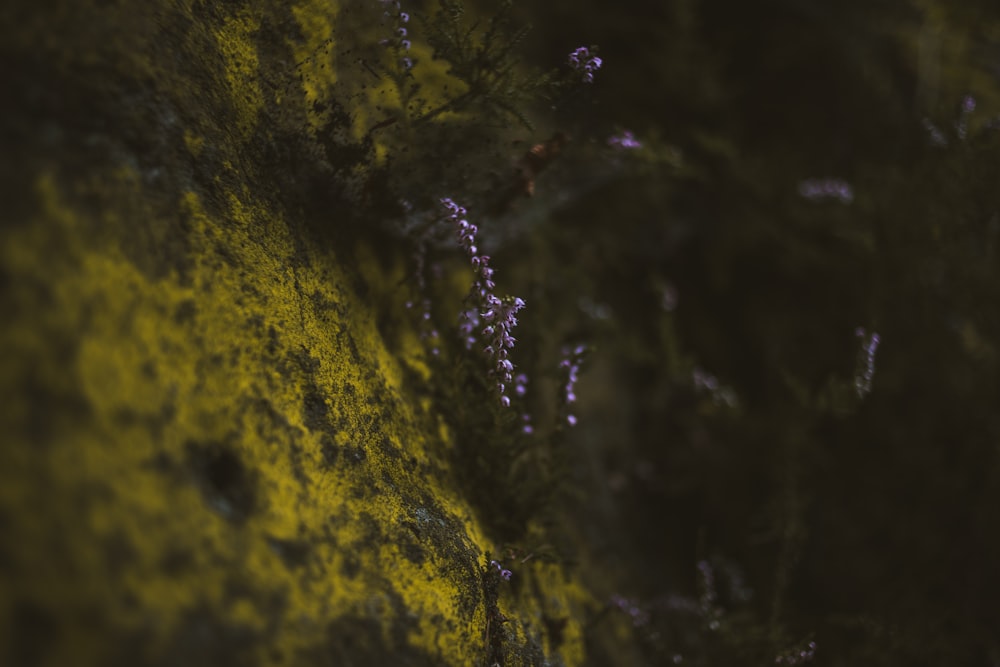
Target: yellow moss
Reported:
point(194, 143)
point(237, 47)
point(314, 54)
point(132, 326)
point(211, 435)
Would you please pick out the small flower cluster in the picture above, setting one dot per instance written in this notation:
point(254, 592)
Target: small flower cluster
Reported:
point(721, 395)
point(668, 297)
point(798, 656)
point(865, 370)
point(468, 325)
point(586, 62)
point(827, 188)
point(962, 124)
point(631, 609)
point(965, 109)
point(427, 330)
point(624, 141)
point(707, 606)
point(570, 365)
point(399, 39)
point(485, 308)
point(935, 135)
point(501, 318)
point(505, 574)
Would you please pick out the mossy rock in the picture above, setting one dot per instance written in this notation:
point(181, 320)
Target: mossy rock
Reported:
point(219, 445)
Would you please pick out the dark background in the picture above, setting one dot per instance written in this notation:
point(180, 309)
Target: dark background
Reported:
point(867, 525)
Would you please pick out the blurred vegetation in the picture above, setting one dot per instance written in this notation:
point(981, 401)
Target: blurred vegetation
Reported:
point(862, 523)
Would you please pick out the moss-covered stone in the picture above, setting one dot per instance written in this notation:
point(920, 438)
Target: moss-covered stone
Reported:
point(212, 454)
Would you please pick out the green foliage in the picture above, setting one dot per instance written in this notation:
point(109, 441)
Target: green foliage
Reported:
point(845, 509)
point(486, 63)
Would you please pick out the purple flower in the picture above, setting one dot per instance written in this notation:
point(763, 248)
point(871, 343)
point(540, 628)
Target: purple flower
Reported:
point(797, 656)
point(865, 367)
point(827, 188)
point(585, 61)
point(497, 316)
point(962, 124)
point(705, 381)
point(630, 608)
point(506, 574)
point(570, 366)
point(399, 33)
point(624, 141)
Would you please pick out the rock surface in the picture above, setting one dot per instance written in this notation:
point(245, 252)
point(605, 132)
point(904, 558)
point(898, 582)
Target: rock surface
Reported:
point(218, 445)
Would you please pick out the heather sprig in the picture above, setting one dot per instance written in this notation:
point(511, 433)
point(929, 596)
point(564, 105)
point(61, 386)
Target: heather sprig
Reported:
point(585, 61)
point(962, 124)
point(630, 608)
point(965, 109)
point(624, 141)
point(797, 656)
point(501, 318)
point(399, 41)
point(706, 382)
point(496, 315)
point(827, 188)
point(570, 368)
point(865, 370)
point(504, 573)
point(427, 330)
point(708, 600)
